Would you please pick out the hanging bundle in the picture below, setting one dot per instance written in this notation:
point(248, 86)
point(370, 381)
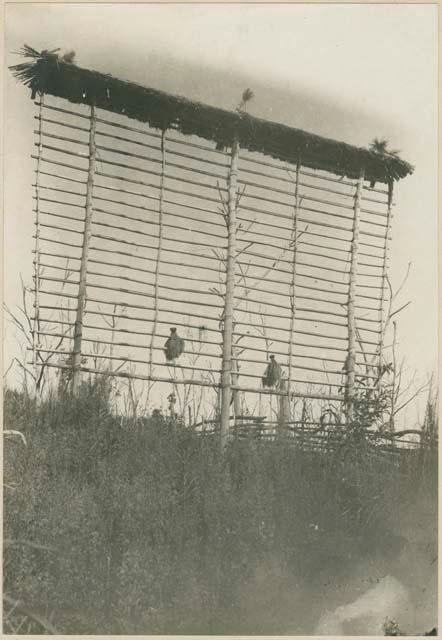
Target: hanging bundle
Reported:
point(174, 346)
point(272, 374)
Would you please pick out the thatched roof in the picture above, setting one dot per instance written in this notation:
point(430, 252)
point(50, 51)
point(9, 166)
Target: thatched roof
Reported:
point(46, 73)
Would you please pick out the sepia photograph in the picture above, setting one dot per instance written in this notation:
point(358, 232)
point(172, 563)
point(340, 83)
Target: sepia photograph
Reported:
point(220, 314)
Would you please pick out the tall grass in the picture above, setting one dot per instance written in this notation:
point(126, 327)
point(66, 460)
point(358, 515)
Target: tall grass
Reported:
point(149, 530)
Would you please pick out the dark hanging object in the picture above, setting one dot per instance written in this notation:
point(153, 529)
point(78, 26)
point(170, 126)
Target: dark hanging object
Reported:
point(174, 346)
point(272, 374)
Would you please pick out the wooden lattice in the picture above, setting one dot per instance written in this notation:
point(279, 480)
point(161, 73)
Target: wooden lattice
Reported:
point(138, 230)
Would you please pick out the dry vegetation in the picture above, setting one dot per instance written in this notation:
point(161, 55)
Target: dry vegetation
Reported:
point(123, 525)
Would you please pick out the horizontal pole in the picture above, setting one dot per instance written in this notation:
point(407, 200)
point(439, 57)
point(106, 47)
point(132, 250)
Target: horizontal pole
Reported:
point(362, 319)
point(129, 305)
point(155, 186)
point(57, 267)
point(137, 319)
point(287, 307)
point(57, 241)
point(139, 269)
point(46, 225)
point(138, 361)
point(60, 123)
point(170, 150)
point(168, 226)
point(312, 396)
point(297, 319)
point(169, 213)
point(123, 374)
point(64, 281)
point(286, 272)
point(129, 230)
point(271, 237)
point(308, 198)
point(287, 248)
point(100, 356)
point(53, 136)
point(360, 285)
point(60, 190)
point(59, 163)
point(133, 181)
point(172, 311)
point(145, 132)
point(136, 219)
point(115, 343)
point(273, 225)
point(315, 187)
point(151, 295)
point(151, 284)
point(298, 262)
point(141, 245)
point(300, 332)
point(120, 374)
point(162, 273)
point(303, 172)
point(115, 329)
point(150, 172)
point(60, 215)
point(315, 277)
point(137, 156)
point(199, 159)
point(65, 204)
point(60, 177)
point(194, 339)
point(130, 255)
point(250, 287)
point(285, 329)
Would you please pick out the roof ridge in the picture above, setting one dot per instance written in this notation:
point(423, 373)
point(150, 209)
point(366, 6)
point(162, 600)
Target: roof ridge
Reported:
point(48, 73)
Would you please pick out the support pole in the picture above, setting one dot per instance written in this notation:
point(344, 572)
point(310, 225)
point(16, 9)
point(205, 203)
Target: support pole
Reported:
point(229, 302)
point(382, 318)
point(87, 234)
point(294, 242)
point(237, 395)
point(36, 322)
point(351, 356)
point(159, 256)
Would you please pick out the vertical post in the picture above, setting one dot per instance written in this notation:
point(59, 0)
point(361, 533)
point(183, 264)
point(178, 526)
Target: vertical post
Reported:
point(229, 302)
point(294, 242)
point(235, 379)
point(283, 409)
point(384, 273)
point(87, 234)
point(36, 323)
point(351, 356)
point(160, 245)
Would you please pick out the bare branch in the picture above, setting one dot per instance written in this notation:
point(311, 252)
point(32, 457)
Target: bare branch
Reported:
point(400, 309)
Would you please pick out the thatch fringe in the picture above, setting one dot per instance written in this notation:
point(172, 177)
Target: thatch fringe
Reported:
point(47, 73)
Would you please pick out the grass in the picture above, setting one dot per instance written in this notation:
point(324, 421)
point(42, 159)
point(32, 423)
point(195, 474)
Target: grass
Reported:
point(150, 531)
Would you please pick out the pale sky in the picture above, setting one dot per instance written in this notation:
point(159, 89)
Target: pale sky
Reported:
point(351, 72)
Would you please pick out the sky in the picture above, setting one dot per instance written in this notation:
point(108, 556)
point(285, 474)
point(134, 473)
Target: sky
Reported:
point(351, 72)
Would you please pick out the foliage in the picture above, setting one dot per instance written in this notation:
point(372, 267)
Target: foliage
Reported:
point(139, 526)
point(380, 145)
